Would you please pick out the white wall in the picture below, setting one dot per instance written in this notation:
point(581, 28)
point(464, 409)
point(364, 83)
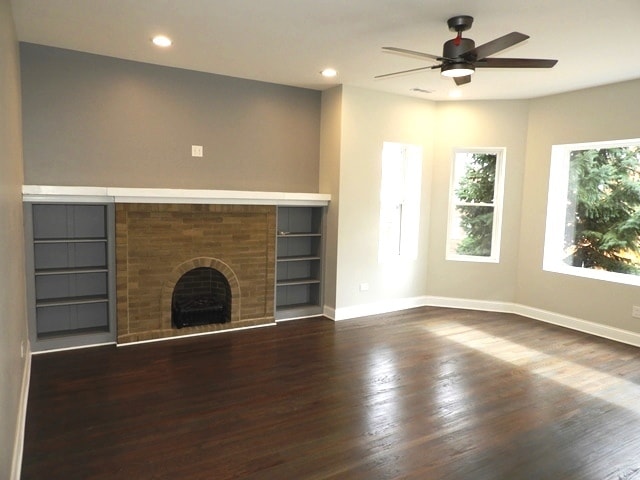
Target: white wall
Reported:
point(13, 325)
point(603, 113)
point(368, 120)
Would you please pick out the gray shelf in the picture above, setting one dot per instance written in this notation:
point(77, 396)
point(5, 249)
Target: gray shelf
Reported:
point(69, 240)
point(70, 270)
point(297, 281)
point(56, 302)
point(299, 258)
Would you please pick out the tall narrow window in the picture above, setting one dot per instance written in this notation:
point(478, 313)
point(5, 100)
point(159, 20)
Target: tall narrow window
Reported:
point(475, 205)
point(400, 201)
point(593, 212)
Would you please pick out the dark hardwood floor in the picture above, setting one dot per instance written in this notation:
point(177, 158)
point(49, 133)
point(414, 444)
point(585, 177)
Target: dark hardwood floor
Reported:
point(429, 393)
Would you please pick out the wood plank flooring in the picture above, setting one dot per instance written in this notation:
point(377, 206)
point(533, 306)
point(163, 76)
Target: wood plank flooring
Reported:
point(429, 393)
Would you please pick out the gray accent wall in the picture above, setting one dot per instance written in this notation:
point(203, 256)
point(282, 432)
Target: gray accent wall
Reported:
point(13, 325)
point(100, 121)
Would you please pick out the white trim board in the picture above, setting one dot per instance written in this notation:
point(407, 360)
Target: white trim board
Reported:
point(71, 194)
point(592, 328)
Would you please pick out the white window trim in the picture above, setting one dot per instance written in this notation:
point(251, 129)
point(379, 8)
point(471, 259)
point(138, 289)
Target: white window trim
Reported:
point(501, 155)
point(557, 196)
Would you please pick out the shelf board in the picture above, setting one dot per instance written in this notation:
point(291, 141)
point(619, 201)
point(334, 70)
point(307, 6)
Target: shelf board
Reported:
point(69, 240)
point(72, 331)
point(58, 302)
point(298, 258)
point(296, 306)
point(284, 312)
point(297, 281)
point(69, 270)
point(299, 234)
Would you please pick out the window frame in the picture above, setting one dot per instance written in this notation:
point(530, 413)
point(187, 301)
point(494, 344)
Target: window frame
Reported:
point(498, 205)
point(555, 221)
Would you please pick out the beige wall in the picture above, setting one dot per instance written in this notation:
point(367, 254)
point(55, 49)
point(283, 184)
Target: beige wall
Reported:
point(13, 325)
point(528, 129)
point(603, 113)
point(467, 125)
point(368, 120)
point(329, 180)
point(94, 120)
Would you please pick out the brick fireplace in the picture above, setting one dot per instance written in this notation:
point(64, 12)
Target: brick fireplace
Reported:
point(156, 244)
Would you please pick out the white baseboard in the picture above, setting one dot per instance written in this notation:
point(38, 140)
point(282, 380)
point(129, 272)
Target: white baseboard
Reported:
point(592, 328)
point(386, 306)
point(470, 304)
point(597, 329)
point(64, 349)
point(18, 444)
point(329, 312)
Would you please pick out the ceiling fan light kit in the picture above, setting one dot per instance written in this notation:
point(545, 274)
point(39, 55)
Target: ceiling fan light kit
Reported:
point(455, 70)
point(460, 56)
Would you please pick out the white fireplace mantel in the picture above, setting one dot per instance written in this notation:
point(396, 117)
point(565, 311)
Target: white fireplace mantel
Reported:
point(71, 194)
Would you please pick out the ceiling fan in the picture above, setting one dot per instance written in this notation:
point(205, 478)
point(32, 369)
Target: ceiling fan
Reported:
point(460, 56)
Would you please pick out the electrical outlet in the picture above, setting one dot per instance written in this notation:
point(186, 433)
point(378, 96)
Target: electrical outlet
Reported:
point(635, 311)
point(22, 352)
point(197, 150)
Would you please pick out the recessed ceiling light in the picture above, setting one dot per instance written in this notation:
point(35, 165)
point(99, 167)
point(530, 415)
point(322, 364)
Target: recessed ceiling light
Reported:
point(161, 41)
point(329, 72)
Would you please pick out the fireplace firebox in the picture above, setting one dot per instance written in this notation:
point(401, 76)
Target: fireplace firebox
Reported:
point(202, 296)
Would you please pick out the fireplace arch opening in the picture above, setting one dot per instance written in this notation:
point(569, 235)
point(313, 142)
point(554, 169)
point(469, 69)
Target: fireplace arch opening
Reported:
point(201, 296)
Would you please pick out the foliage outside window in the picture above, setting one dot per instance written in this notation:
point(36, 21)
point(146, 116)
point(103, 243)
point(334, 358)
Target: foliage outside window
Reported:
point(593, 217)
point(400, 186)
point(475, 205)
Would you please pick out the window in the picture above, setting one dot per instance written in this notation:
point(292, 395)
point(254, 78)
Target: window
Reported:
point(593, 211)
point(475, 205)
point(400, 201)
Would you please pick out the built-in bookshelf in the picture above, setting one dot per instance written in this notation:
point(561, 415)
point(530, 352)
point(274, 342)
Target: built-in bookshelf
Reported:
point(70, 268)
point(299, 262)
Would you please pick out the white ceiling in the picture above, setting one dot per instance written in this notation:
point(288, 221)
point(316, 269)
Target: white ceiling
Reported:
point(290, 41)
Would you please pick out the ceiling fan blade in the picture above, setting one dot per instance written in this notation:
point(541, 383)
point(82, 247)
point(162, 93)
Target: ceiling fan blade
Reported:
point(403, 71)
point(462, 80)
point(515, 63)
point(413, 53)
point(494, 46)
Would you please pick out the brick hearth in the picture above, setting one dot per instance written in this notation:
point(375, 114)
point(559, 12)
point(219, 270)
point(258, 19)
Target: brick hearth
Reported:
point(157, 243)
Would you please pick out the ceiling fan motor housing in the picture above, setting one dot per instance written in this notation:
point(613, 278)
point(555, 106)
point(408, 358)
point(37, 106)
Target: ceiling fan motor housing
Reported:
point(454, 48)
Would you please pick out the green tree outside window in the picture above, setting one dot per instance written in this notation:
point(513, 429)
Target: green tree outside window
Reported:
point(602, 227)
point(475, 194)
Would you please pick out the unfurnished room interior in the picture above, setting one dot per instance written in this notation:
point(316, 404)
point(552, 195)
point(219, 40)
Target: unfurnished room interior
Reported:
point(319, 240)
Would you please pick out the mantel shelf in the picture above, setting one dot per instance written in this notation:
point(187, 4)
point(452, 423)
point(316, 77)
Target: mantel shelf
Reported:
point(71, 194)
